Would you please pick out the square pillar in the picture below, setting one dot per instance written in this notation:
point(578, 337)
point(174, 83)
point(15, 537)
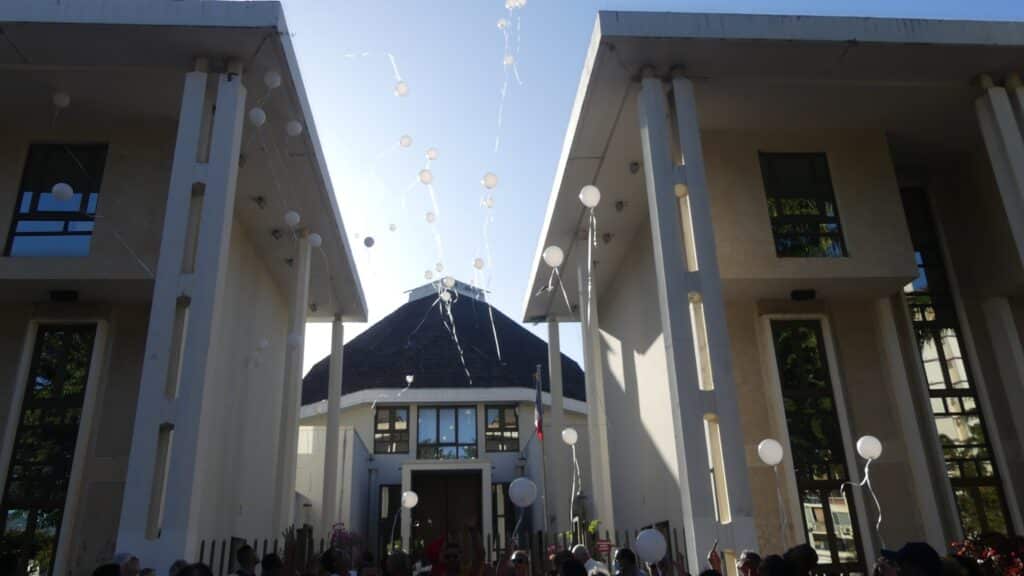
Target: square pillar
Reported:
point(160, 504)
point(706, 416)
point(558, 455)
point(284, 513)
point(330, 496)
point(597, 420)
point(1005, 145)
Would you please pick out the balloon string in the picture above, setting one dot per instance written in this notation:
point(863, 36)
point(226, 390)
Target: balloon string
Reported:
point(866, 482)
point(450, 325)
point(557, 275)
point(782, 509)
point(591, 243)
point(494, 331)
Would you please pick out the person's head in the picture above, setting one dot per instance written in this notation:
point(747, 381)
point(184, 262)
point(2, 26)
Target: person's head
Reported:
point(334, 561)
point(521, 562)
point(147, 572)
point(709, 572)
point(801, 559)
point(913, 559)
point(626, 559)
point(177, 567)
point(773, 565)
point(398, 564)
point(197, 569)
point(246, 558)
point(580, 553)
point(110, 569)
point(129, 564)
point(748, 563)
point(271, 565)
point(451, 556)
point(572, 567)
point(558, 559)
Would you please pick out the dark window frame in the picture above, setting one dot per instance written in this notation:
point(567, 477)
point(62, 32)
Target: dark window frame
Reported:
point(820, 471)
point(392, 444)
point(494, 438)
point(796, 233)
point(423, 448)
point(54, 412)
point(90, 159)
point(933, 315)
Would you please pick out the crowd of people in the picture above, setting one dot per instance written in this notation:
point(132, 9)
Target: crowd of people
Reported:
point(448, 558)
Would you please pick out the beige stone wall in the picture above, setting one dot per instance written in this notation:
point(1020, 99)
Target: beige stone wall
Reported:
point(641, 437)
point(867, 195)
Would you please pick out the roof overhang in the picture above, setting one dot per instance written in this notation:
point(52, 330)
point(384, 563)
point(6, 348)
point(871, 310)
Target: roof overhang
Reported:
point(86, 43)
point(743, 66)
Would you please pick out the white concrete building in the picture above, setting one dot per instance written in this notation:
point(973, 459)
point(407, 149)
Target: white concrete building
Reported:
point(457, 434)
point(810, 230)
point(154, 297)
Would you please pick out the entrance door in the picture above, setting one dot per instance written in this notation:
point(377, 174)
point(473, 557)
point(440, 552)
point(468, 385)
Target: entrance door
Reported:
point(449, 506)
point(34, 495)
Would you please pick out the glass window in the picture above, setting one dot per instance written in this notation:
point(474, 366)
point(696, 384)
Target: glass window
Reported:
point(501, 430)
point(387, 519)
point(391, 430)
point(962, 432)
point(816, 444)
point(802, 206)
point(40, 467)
point(44, 225)
point(447, 433)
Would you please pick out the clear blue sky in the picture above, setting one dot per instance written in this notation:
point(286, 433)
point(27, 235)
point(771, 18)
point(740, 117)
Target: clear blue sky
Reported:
point(450, 54)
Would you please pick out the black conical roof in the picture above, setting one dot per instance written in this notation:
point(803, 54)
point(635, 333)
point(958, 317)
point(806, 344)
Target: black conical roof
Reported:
point(415, 340)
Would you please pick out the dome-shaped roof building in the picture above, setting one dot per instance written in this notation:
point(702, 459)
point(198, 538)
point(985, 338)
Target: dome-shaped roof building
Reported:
point(419, 339)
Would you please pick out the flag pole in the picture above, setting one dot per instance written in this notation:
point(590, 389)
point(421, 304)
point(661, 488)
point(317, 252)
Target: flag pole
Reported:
point(543, 453)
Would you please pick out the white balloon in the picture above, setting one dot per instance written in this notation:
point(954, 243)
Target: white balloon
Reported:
point(293, 128)
point(489, 202)
point(257, 117)
point(292, 218)
point(522, 491)
point(392, 227)
point(448, 282)
point(439, 267)
point(315, 240)
point(294, 340)
point(478, 263)
point(405, 141)
point(590, 196)
point(431, 153)
point(869, 447)
point(570, 436)
point(401, 88)
point(61, 99)
point(770, 451)
point(272, 79)
point(553, 256)
point(502, 23)
point(426, 176)
point(509, 60)
point(431, 217)
point(490, 180)
point(62, 191)
point(409, 378)
point(446, 296)
point(410, 499)
point(428, 274)
point(650, 546)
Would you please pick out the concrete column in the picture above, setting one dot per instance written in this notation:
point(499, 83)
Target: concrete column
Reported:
point(924, 454)
point(1004, 336)
point(284, 514)
point(330, 498)
point(559, 458)
point(697, 404)
point(597, 420)
point(160, 406)
point(1005, 145)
